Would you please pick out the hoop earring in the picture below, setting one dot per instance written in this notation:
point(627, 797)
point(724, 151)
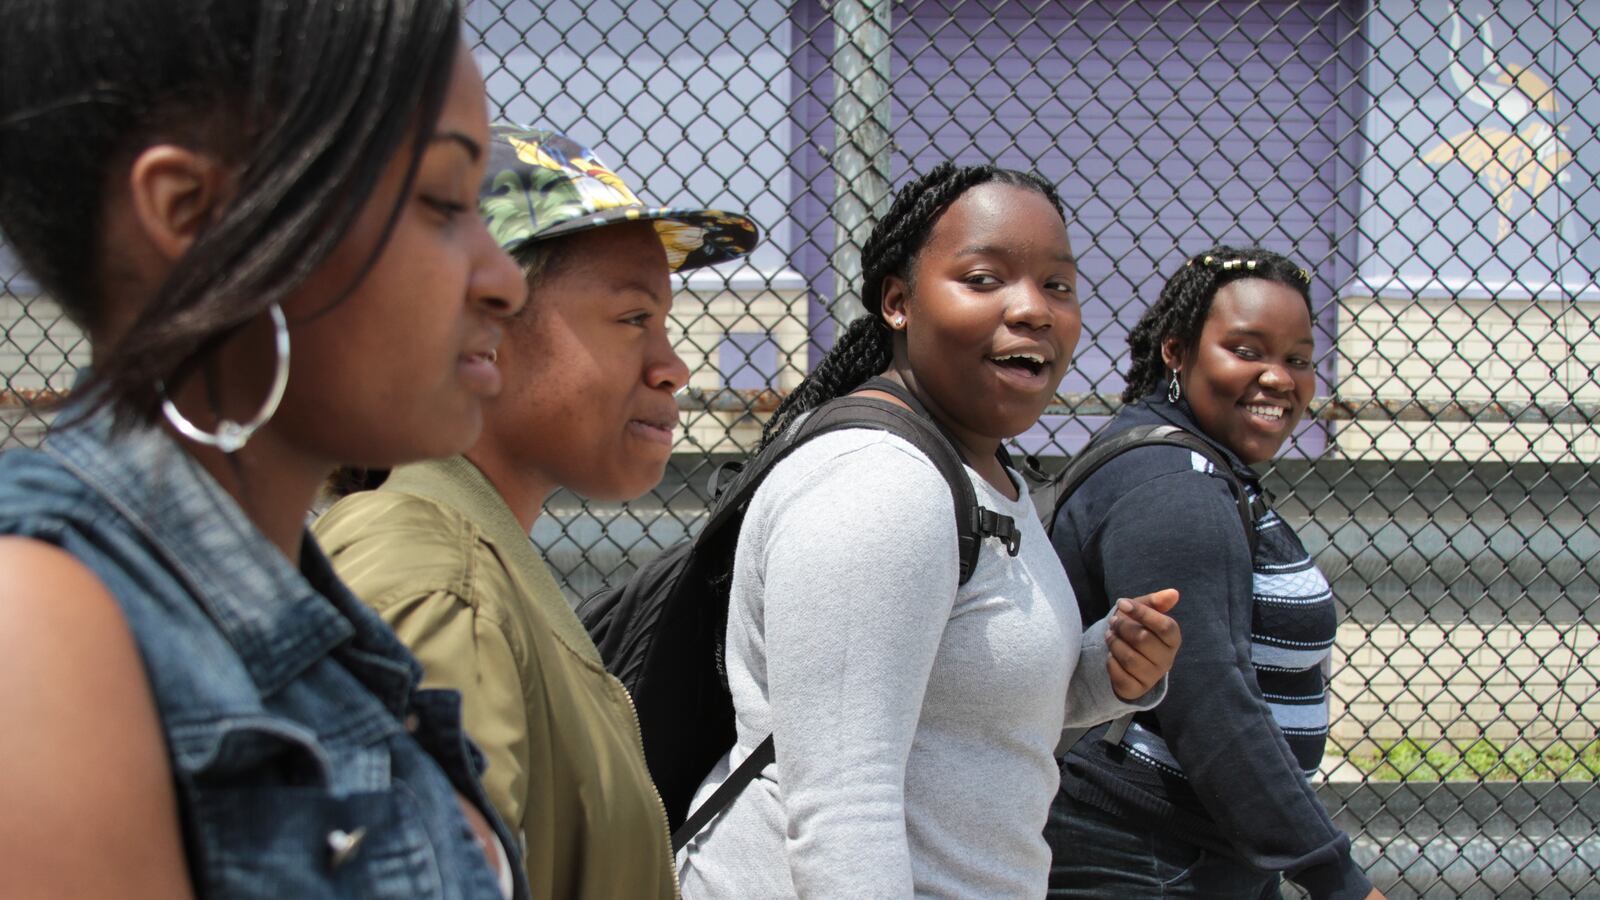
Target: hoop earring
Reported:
point(1174, 390)
point(231, 436)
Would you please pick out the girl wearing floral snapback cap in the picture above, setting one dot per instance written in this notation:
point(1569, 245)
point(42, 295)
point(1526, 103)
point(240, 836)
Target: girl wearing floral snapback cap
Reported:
point(441, 550)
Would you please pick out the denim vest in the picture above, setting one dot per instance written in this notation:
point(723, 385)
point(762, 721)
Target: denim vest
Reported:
point(306, 762)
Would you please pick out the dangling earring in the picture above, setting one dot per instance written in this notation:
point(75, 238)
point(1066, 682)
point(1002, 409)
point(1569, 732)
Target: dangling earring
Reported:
point(1174, 390)
point(231, 436)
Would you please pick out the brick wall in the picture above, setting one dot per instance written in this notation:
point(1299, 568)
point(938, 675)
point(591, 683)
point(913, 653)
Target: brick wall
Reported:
point(1509, 351)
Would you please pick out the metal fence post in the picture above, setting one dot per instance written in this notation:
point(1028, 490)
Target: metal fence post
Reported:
point(860, 113)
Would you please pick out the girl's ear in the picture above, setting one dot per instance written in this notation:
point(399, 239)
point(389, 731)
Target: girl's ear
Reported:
point(1172, 354)
point(173, 192)
point(894, 304)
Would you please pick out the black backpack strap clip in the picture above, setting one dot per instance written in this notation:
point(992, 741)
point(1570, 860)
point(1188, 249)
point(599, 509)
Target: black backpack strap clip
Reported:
point(988, 523)
point(1033, 470)
point(721, 477)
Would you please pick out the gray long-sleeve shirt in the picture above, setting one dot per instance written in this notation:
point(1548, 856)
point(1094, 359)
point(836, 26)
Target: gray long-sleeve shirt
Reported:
point(914, 718)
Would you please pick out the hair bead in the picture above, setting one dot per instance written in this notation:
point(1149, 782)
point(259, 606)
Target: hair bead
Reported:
point(1185, 302)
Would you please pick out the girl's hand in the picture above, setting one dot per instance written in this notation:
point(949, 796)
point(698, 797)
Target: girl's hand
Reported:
point(1144, 641)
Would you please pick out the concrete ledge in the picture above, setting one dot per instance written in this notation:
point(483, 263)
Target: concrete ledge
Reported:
point(1405, 543)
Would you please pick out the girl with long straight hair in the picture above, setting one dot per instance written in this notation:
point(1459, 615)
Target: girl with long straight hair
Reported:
point(195, 705)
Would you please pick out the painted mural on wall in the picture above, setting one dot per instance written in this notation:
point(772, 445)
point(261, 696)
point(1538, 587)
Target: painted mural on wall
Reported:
point(1481, 182)
point(1518, 160)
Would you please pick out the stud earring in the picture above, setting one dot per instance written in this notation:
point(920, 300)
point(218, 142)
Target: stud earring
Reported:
point(1174, 390)
point(899, 321)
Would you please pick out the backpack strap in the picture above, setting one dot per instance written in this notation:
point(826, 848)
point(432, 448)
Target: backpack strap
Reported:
point(974, 524)
point(898, 391)
point(1050, 497)
point(972, 528)
point(723, 796)
point(733, 485)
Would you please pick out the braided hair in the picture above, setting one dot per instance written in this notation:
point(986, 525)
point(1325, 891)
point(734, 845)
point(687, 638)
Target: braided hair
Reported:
point(1185, 303)
point(866, 347)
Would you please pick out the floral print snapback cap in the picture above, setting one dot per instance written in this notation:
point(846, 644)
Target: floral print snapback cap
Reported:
point(541, 184)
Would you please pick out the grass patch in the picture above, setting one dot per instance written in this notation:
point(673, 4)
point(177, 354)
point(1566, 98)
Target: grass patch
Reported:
point(1481, 760)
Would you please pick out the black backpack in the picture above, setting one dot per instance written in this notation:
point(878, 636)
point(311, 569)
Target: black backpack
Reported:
point(662, 633)
point(1051, 492)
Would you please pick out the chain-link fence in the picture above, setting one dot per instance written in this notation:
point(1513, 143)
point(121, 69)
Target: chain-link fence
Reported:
point(1433, 164)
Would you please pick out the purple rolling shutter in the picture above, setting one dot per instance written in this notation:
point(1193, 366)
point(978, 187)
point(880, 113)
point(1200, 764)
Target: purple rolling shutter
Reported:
point(748, 360)
point(1166, 126)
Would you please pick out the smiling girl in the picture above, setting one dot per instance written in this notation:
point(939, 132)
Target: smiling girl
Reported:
point(441, 550)
point(913, 716)
point(1207, 795)
point(195, 705)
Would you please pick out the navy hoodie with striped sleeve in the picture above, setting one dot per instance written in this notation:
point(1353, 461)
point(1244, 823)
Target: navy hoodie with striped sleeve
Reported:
point(1223, 763)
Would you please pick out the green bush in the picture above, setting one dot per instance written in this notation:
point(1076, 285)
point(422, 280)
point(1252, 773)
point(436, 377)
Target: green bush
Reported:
point(1409, 759)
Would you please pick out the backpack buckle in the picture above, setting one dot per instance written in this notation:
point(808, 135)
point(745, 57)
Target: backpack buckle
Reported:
point(992, 524)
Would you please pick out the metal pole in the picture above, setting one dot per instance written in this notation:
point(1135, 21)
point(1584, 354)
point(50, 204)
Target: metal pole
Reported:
point(861, 140)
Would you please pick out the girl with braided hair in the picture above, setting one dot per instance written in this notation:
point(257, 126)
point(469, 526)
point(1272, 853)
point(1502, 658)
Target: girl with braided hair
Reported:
point(914, 715)
point(1207, 795)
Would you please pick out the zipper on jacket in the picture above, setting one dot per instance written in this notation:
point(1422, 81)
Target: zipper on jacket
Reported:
point(661, 806)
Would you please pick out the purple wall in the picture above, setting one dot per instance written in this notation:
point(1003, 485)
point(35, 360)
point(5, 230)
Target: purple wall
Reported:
point(1167, 127)
point(812, 91)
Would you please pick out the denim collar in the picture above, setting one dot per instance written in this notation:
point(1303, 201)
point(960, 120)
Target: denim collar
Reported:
point(279, 619)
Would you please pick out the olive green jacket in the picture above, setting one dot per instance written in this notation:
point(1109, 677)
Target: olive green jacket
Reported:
point(442, 559)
